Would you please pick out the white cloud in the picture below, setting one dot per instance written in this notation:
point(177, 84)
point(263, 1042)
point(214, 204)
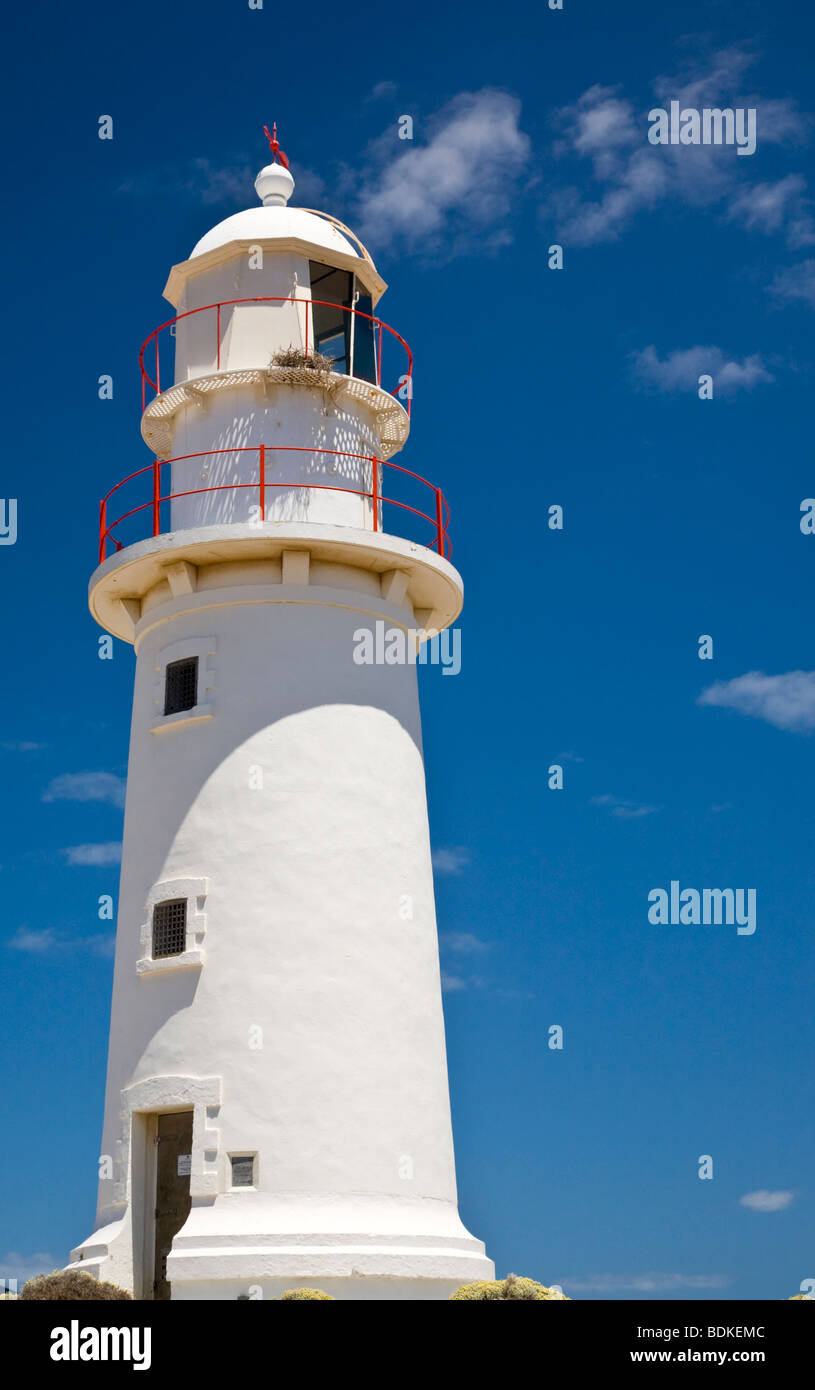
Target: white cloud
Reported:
point(681, 369)
point(451, 860)
point(95, 856)
point(458, 186)
point(797, 282)
point(382, 89)
point(786, 701)
point(87, 786)
point(623, 810)
point(765, 207)
point(452, 983)
point(601, 124)
point(229, 185)
point(309, 188)
point(767, 1201)
point(779, 120)
point(196, 178)
point(463, 943)
point(32, 942)
point(642, 1283)
point(632, 176)
point(22, 746)
point(45, 942)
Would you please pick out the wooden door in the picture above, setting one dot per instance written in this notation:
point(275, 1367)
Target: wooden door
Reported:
point(173, 1155)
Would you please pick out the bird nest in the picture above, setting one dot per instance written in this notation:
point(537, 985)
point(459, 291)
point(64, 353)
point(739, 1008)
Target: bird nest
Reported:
point(294, 367)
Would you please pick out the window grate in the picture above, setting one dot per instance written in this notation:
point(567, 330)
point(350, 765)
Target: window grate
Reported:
point(181, 688)
point(169, 928)
point(243, 1172)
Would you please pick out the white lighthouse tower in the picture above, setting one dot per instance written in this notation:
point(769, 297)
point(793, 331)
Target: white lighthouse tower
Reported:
point(277, 1109)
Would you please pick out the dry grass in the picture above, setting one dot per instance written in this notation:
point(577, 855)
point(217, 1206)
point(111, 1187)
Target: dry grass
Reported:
point(295, 357)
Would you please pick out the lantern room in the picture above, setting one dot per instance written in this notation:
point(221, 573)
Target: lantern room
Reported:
point(276, 347)
point(274, 403)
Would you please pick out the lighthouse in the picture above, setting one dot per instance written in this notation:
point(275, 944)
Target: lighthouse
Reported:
point(277, 1106)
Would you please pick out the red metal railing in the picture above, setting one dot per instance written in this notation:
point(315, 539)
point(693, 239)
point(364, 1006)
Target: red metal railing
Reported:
point(439, 519)
point(405, 381)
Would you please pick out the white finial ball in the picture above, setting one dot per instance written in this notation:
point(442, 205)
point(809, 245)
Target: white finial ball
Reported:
point(274, 186)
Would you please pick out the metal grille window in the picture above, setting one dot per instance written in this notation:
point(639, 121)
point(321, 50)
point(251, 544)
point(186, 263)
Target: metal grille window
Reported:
point(243, 1172)
point(181, 689)
point(169, 928)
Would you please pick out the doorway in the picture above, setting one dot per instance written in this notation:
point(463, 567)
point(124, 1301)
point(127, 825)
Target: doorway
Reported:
point(173, 1150)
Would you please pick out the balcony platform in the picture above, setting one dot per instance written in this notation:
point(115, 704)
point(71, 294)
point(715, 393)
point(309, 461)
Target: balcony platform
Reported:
point(391, 419)
point(407, 572)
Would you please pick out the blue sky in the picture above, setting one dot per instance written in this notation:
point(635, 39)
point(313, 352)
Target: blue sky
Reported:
point(533, 387)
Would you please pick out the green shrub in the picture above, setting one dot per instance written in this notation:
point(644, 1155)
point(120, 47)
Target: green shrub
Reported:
point(71, 1284)
point(495, 1290)
point(292, 1294)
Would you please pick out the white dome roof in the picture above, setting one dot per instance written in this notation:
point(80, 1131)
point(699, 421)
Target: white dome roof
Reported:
point(269, 223)
point(309, 231)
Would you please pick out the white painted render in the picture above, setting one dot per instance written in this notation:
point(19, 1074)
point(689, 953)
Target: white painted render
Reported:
point(303, 1021)
point(325, 451)
point(275, 223)
point(250, 333)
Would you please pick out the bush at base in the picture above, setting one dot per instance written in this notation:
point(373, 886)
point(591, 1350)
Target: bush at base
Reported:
point(298, 1294)
point(71, 1284)
point(495, 1290)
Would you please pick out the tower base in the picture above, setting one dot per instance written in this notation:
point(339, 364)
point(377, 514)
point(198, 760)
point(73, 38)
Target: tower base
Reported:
point(257, 1247)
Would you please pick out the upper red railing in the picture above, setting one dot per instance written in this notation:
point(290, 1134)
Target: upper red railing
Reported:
point(404, 378)
point(438, 518)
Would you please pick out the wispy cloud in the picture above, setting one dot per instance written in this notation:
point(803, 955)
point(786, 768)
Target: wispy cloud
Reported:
point(720, 74)
point(623, 810)
point(87, 786)
point(453, 984)
point(766, 207)
point(382, 89)
point(33, 943)
point(681, 369)
point(643, 1283)
point(456, 187)
point(230, 186)
point(97, 856)
point(199, 179)
point(21, 746)
point(46, 942)
point(451, 860)
point(463, 943)
point(786, 701)
point(608, 129)
point(767, 1201)
point(796, 282)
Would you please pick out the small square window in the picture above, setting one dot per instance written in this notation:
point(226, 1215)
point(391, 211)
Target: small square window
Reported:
point(169, 928)
point(243, 1171)
point(181, 688)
